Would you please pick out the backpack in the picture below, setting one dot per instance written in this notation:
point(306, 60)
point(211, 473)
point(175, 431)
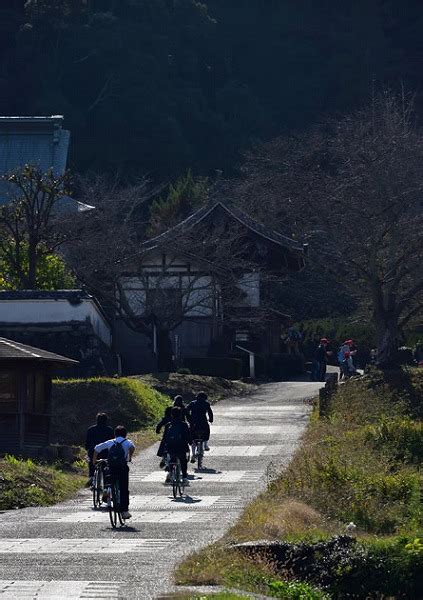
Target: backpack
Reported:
point(116, 456)
point(174, 436)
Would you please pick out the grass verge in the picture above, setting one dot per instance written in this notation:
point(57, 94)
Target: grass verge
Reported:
point(216, 388)
point(127, 401)
point(26, 483)
point(360, 465)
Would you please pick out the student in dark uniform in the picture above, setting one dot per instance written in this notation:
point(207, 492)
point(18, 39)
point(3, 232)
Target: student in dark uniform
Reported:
point(96, 434)
point(200, 415)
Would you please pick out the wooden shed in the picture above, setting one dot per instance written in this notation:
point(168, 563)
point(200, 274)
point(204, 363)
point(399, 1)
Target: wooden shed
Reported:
point(25, 396)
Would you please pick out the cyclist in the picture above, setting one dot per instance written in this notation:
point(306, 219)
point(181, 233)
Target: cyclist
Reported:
point(162, 423)
point(120, 451)
point(177, 439)
point(198, 410)
point(179, 401)
point(95, 435)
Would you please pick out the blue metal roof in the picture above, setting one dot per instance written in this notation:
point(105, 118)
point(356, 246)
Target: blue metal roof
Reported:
point(39, 141)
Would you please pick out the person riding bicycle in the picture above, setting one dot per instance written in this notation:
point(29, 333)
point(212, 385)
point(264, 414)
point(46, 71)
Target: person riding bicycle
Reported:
point(177, 439)
point(198, 410)
point(120, 451)
point(179, 401)
point(162, 423)
point(95, 435)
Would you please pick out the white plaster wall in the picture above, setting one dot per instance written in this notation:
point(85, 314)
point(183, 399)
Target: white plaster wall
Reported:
point(55, 311)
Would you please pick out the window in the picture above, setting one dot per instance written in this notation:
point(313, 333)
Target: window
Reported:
point(36, 393)
point(8, 392)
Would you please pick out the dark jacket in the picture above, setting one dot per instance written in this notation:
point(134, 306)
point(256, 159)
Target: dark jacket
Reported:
point(185, 437)
point(198, 411)
point(97, 434)
point(162, 423)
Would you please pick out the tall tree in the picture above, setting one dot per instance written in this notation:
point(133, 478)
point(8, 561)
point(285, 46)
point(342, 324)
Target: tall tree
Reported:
point(353, 187)
point(29, 223)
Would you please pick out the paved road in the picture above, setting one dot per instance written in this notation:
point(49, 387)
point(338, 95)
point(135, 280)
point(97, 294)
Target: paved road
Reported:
point(69, 550)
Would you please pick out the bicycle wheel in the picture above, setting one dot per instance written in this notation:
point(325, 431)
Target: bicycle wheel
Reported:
point(98, 487)
point(174, 478)
point(113, 507)
point(200, 454)
point(179, 480)
point(95, 486)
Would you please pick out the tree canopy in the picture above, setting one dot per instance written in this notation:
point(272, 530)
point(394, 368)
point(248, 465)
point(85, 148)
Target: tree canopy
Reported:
point(160, 87)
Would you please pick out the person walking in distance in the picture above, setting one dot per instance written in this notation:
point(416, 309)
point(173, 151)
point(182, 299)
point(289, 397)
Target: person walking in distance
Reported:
point(320, 360)
point(95, 435)
point(200, 414)
point(120, 451)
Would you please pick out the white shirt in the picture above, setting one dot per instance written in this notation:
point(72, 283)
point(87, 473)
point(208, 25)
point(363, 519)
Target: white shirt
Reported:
point(126, 445)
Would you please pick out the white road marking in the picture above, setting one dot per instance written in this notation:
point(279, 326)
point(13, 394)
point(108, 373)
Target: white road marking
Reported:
point(166, 501)
point(256, 408)
point(55, 590)
point(81, 545)
point(101, 516)
point(202, 477)
point(240, 430)
point(245, 450)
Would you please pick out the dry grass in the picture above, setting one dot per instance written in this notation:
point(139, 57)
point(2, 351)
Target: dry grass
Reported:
point(144, 438)
point(217, 565)
point(275, 518)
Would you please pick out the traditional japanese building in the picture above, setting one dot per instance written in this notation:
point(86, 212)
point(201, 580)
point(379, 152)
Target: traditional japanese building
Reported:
point(25, 396)
point(184, 295)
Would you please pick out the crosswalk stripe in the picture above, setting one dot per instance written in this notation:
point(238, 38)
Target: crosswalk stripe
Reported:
point(98, 546)
point(57, 589)
point(161, 516)
point(201, 477)
point(241, 429)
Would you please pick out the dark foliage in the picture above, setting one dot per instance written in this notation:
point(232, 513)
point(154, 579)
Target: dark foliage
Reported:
point(349, 569)
point(161, 86)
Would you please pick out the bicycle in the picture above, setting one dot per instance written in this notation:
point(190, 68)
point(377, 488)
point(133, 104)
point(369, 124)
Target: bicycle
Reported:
point(198, 450)
point(98, 486)
point(178, 486)
point(113, 503)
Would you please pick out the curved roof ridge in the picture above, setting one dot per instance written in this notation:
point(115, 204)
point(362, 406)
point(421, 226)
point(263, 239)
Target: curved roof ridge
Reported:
point(236, 213)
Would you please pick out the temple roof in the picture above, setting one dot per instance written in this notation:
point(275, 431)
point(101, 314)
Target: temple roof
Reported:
point(38, 141)
point(233, 213)
point(11, 350)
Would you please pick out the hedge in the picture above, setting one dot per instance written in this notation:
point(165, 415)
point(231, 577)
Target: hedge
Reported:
point(127, 402)
point(229, 368)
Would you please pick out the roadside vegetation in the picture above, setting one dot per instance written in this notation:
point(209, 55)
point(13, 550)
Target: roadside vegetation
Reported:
point(28, 483)
point(127, 401)
point(359, 465)
point(188, 385)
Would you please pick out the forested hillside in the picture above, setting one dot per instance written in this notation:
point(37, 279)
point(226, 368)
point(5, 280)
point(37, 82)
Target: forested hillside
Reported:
point(160, 86)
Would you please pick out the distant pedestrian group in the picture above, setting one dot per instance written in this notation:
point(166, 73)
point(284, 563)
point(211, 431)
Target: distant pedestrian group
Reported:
point(345, 358)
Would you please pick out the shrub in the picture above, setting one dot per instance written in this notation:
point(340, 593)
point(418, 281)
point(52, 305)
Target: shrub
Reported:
point(405, 356)
point(183, 371)
point(27, 483)
point(77, 401)
point(228, 368)
point(401, 437)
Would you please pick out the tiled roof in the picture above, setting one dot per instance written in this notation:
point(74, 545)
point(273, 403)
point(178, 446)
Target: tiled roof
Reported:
point(39, 141)
point(71, 295)
point(11, 350)
point(235, 214)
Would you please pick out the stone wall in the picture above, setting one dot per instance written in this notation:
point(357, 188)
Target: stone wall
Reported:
point(75, 340)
